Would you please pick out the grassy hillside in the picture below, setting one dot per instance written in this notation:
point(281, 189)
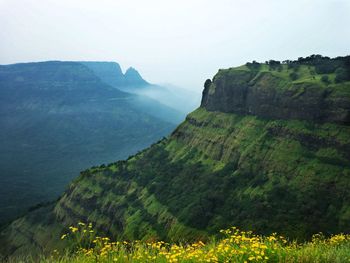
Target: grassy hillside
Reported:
point(223, 169)
point(225, 165)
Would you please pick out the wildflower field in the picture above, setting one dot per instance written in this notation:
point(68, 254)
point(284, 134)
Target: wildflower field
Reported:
point(235, 246)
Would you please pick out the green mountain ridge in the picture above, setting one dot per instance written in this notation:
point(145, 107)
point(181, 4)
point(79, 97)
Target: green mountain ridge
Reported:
point(265, 151)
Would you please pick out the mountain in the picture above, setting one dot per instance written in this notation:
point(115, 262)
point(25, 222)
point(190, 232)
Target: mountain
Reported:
point(132, 77)
point(132, 82)
point(180, 100)
point(108, 72)
point(268, 150)
point(58, 118)
point(111, 73)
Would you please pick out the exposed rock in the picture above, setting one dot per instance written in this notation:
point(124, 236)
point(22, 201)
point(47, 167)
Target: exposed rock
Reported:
point(266, 95)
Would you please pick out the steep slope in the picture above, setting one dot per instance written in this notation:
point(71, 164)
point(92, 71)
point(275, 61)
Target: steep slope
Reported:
point(265, 168)
point(271, 94)
point(57, 118)
point(108, 72)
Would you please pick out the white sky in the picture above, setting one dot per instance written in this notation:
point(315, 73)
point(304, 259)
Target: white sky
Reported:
point(182, 42)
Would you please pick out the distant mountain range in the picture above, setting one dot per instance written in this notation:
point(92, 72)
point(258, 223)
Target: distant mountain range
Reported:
point(58, 118)
point(182, 100)
point(111, 73)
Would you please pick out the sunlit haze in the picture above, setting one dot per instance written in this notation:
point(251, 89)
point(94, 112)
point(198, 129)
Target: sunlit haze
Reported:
point(180, 42)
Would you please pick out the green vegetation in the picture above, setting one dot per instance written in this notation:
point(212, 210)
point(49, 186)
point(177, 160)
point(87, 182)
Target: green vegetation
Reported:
point(83, 245)
point(310, 69)
point(325, 79)
point(293, 76)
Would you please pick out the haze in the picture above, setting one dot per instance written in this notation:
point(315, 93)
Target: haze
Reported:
point(179, 42)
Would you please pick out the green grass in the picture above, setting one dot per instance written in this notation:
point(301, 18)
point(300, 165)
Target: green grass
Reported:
point(306, 74)
point(83, 245)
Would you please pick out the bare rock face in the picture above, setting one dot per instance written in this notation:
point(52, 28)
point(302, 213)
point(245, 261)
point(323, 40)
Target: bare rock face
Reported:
point(269, 96)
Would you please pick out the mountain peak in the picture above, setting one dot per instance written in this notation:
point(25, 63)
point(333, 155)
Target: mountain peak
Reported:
point(132, 70)
point(111, 73)
point(132, 76)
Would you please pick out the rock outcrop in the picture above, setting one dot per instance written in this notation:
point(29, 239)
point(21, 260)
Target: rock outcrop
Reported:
point(269, 96)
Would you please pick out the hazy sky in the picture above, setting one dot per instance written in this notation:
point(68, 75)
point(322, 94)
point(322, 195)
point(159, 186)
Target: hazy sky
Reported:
point(181, 42)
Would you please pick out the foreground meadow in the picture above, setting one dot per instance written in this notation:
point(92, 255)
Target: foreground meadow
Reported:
point(235, 246)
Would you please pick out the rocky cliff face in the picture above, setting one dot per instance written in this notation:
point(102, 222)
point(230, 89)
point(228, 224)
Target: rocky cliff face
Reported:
point(108, 72)
point(271, 95)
